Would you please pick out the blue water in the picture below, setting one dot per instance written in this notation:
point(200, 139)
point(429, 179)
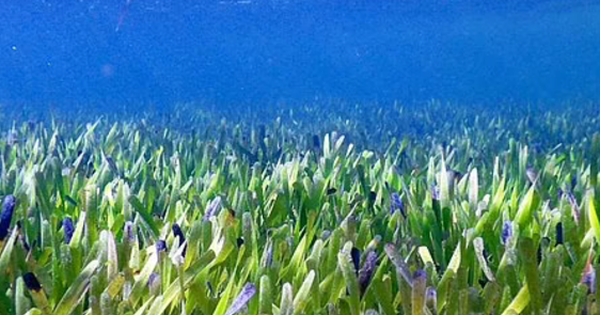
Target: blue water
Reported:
point(228, 52)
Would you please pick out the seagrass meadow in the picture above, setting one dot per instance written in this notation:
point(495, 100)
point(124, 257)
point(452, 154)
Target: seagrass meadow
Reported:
point(337, 209)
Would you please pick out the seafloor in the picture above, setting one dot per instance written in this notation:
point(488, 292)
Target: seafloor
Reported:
point(332, 208)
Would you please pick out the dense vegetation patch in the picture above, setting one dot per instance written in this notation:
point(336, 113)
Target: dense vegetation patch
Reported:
point(341, 209)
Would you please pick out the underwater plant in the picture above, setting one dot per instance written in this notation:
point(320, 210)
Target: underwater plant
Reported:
point(306, 213)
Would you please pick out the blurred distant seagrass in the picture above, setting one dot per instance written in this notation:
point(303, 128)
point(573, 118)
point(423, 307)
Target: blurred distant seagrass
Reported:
point(305, 210)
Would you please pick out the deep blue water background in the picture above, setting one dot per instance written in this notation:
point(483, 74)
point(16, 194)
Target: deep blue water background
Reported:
point(66, 52)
